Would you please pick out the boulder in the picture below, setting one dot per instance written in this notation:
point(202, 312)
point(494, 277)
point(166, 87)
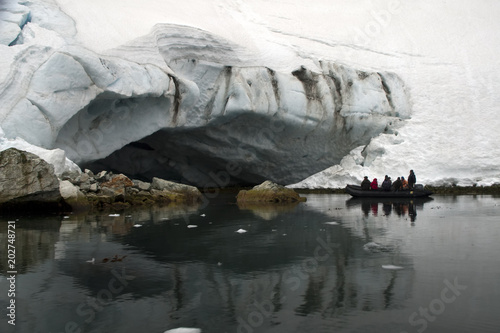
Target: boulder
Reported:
point(175, 191)
point(101, 176)
point(27, 180)
point(94, 187)
point(73, 196)
point(89, 173)
point(116, 186)
point(118, 181)
point(140, 185)
point(269, 192)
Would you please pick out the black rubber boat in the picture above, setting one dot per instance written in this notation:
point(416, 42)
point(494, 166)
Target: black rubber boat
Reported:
point(356, 191)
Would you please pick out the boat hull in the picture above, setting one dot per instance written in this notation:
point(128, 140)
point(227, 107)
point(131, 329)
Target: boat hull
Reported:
point(356, 191)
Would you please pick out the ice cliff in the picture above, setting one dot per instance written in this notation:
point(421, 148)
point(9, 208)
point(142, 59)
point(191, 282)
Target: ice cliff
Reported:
point(187, 101)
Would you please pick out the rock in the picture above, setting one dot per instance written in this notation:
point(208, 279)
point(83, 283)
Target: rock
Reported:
point(89, 173)
point(140, 185)
point(27, 179)
point(85, 187)
point(116, 186)
point(269, 192)
point(177, 192)
point(118, 181)
point(70, 175)
point(101, 176)
point(73, 196)
point(77, 179)
point(94, 187)
point(84, 178)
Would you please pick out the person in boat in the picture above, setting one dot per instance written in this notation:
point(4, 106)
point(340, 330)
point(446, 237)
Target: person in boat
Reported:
point(374, 184)
point(412, 179)
point(404, 183)
point(365, 184)
point(386, 184)
point(397, 185)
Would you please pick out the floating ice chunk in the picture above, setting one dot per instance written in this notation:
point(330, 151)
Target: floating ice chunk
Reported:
point(114, 215)
point(184, 330)
point(137, 225)
point(241, 231)
point(203, 215)
point(192, 226)
point(332, 223)
point(91, 261)
point(393, 267)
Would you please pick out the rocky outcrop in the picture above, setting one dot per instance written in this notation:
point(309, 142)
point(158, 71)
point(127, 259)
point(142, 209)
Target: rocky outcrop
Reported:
point(106, 189)
point(27, 181)
point(268, 192)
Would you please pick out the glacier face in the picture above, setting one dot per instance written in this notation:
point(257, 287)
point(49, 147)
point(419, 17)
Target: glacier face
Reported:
point(258, 91)
point(261, 123)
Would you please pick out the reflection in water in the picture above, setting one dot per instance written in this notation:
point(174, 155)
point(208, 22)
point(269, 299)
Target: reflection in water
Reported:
point(388, 292)
point(35, 242)
point(402, 207)
point(268, 211)
point(293, 271)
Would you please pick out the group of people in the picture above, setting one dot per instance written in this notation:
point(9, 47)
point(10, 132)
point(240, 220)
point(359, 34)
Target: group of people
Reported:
point(387, 185)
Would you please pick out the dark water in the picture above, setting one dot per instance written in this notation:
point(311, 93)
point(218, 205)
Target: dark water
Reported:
point(329, 265)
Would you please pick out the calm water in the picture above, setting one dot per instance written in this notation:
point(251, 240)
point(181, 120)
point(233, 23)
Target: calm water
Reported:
point(329, 265)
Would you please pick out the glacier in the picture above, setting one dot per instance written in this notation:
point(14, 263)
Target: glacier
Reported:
point(230, 92)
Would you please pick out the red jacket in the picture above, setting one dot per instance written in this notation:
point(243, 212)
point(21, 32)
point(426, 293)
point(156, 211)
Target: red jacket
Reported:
point(374, 184)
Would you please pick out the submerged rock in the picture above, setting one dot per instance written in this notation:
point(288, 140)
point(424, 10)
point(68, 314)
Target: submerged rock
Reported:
point(27, 180)
point(269, 192)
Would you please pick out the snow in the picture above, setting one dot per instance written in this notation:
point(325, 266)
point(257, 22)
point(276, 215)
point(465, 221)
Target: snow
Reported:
point(445, 53)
